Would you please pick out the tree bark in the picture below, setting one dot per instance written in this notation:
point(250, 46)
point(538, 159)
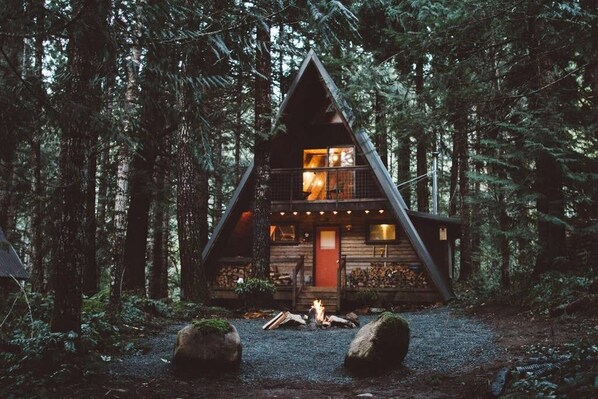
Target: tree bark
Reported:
point(403, 167)
point(91, 280)
point(262, 152)
point(423, 191)
point(38, 272)
point(550, 202)
point(80, 112)
point(381, 139)
point(157, 290)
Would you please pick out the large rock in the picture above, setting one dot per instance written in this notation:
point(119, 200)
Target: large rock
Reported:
point(379, 345)
point(208, 344)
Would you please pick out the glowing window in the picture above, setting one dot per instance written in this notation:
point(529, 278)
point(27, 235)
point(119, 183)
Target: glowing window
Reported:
point(283, 234)
point(381, 232)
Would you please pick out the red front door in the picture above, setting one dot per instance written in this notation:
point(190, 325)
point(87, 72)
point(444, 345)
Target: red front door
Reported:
point(327, 255)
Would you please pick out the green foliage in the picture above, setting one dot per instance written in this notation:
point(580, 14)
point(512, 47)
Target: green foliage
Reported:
point(368, 297)
point(555, 289)
point(573, 376)
point(212, 326)
point(190, 310)
point(255, 287)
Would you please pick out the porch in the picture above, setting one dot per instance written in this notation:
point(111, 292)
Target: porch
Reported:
point(298, 292)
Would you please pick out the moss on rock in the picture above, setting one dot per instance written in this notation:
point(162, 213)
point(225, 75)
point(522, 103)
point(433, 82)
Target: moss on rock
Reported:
point(212, 326)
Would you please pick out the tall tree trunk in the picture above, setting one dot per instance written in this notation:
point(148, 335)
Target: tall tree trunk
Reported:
point(423, 191)
point(262, 152)
point(38, 273)
point(403, 167)
point(87, 36)
point(193, 279)
point(550, 202)
point(381, 139)
point(159, 267)
point(238, 124)
point(91, 280)
point(503, 242)
point(122, 187)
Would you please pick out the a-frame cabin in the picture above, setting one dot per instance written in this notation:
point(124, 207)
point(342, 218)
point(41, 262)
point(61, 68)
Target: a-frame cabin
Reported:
point(339, 224)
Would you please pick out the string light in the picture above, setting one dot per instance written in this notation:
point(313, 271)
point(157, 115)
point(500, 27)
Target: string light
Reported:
point(367, 211)
point(321, 212)
point(334, 212)
point(348, 212)
point(381, 211)
point(295, 213)
point(308, 213)
point(281, 213)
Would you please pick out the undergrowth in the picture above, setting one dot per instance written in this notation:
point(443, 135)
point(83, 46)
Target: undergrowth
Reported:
point(33, 358)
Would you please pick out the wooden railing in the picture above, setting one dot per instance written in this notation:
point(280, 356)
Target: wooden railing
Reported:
point(298, 270)
point(341, 280)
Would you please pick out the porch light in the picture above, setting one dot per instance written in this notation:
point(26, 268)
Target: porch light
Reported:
point(334, 212)
point(367, 211)
point(308, 213)
point(321, 212)
point(281, 213)
point(295, 213)
point(348, 212)
point(381, 211)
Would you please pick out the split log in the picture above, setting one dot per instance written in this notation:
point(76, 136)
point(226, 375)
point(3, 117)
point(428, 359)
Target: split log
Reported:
point(293, 320)
point(274, 320)
point(339, 321)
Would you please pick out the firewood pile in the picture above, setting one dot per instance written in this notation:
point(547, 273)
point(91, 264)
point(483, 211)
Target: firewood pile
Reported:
point(278, 278)
point(228, 275)
point(389, 276)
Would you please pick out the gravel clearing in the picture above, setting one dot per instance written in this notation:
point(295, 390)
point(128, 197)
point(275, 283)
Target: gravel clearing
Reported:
point(441, 340)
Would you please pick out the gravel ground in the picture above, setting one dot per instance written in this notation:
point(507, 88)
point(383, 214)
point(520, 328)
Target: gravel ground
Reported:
point(441, 340)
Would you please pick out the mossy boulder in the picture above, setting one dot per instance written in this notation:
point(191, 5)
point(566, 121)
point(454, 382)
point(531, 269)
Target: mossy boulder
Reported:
point(207, 344)
point(379, 345)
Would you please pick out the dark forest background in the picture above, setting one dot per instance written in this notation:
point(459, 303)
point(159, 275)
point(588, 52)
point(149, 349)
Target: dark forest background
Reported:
point(126, 124)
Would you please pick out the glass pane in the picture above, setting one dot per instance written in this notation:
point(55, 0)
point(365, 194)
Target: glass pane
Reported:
point(314, 183)
point(341, 157)
point(283, 232)
point(383, 232)
point(314, 158)
point(327, 239)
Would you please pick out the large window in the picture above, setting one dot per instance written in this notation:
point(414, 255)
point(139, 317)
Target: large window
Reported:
point(381, 233)
point(323, 182)
point(283, 233)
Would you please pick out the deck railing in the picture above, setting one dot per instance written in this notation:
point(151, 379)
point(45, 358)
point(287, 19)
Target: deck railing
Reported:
point(298, 283)
point(341, 280)
point(324, 184)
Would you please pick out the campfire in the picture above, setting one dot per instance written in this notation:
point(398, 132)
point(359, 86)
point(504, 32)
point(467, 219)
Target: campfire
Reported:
point(316, 318)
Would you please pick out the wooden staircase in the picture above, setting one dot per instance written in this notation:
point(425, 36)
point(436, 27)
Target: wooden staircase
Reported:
point(307, 296)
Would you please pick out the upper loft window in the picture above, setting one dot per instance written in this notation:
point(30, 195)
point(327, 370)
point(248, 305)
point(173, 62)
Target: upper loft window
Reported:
point(319, 184)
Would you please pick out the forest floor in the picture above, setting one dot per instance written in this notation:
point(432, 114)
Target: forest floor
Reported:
point(454, 353)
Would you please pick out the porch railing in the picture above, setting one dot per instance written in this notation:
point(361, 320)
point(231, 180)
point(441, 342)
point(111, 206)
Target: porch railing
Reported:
point(341, 280)
point(298, 283)
point(324, 184)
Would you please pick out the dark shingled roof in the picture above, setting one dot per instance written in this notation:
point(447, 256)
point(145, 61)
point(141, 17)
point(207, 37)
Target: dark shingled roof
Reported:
point(10, 264)
point(361, 139)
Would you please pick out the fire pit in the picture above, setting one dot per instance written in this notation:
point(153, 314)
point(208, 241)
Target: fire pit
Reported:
point(316, 318)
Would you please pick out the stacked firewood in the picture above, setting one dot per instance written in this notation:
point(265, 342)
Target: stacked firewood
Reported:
point(387, 276)
point(278, 278)
point(228, 275)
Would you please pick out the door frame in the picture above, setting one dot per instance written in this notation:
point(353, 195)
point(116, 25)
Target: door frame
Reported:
point(315, 244)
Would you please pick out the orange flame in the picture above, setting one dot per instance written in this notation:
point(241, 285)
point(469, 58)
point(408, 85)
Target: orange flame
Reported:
point(319, 311)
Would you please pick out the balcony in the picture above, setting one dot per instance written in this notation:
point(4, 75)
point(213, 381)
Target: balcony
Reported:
point(331, 188)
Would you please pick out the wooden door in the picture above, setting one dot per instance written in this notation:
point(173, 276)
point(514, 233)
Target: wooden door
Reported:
point(327, 255)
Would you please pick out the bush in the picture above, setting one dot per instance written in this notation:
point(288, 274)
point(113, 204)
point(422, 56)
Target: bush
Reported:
point(368, 297)
point(256, 292)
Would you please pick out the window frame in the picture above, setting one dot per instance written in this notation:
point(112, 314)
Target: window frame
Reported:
point(370, 241)
point(295, 241)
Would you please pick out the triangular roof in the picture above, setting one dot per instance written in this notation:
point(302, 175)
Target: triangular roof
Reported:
point(10, 263)
point(362, 140)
